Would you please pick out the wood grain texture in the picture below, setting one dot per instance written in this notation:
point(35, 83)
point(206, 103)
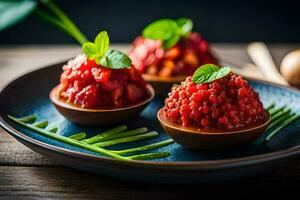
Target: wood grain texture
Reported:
point(58, 182)
point(27, 175)
point(13, 153)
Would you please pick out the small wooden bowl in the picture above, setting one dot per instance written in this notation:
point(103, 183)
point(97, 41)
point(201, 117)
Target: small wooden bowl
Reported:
point(197, 139)
point(98, 116)
point(162, 85)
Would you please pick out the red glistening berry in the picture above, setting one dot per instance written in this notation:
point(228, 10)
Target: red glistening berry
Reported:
point(223, 120)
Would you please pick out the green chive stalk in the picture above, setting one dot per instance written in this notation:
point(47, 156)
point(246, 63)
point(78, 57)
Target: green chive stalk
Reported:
point(280, 113)
point(53, 129)
point(125, 134)
point(41, 124)
point(148, 135)
point(69, 140)
point(281, 126)
point(280, 120)
point(144, 148)
point(105, 134)
point(28, 119)
point(78, 136)
point(150, 156)
point(275, 110)
point(272, 105)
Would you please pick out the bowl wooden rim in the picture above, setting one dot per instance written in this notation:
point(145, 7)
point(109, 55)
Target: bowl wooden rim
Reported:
point(162, 119)
point(56, 101)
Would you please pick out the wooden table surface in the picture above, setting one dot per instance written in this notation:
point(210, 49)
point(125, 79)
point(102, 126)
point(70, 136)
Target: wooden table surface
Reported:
point(27, 175)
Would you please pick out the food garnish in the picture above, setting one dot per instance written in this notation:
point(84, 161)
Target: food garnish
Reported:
point(214, 98)
point(168, 30)
point(101, 77)
point(97, 143)
point(86, 84)
point(99, 51)
point(208, 73)
point(281, 117)
point(168, 47)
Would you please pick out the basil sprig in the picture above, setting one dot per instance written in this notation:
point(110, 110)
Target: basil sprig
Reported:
point(168, 30)
point(100, 52)
point(208, 73)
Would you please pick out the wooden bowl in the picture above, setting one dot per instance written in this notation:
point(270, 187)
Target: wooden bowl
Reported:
point(98, 116)
point(162, 85)
point(197, 139)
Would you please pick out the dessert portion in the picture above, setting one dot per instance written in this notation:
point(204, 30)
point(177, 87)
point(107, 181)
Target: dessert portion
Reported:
point(169, 48)
point(101, 78)
point(214, 98)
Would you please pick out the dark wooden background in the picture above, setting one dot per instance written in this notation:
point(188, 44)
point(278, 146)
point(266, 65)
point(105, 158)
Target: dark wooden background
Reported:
point(27, 175)
point(217, 20)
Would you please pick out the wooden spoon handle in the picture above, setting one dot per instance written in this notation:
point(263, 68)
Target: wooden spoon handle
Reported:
point(261, 56)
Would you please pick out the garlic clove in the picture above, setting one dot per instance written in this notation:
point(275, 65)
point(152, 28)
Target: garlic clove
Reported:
point(290, 67)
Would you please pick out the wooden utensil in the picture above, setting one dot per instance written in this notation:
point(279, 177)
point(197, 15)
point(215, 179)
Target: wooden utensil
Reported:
point(261, 56)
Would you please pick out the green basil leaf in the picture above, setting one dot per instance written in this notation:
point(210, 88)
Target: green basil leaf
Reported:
point(208, 73)
point(90, 50)
point(115, 60)
point(102, 43)
point(185, 26)
point(162, 29)
point(99, 51)
point(12, 12)
point(171, 41)
point(168, 30)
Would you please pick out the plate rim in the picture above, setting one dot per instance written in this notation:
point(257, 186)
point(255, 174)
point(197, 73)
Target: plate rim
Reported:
point(178, 165)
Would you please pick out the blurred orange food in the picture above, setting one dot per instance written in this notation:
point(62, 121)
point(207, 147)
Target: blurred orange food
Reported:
point(167, 68)
point(149, 57)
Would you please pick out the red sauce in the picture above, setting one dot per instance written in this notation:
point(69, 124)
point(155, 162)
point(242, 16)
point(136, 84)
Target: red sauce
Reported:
point(88, 85)
point(184, 58)
point(226, 103)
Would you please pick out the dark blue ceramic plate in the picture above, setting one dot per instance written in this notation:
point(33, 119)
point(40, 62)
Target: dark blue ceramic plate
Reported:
point(29, 95)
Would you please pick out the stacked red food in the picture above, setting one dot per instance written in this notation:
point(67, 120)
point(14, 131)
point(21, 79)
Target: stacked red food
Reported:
point(89, 85)
point(228, 102)
point(183, 58)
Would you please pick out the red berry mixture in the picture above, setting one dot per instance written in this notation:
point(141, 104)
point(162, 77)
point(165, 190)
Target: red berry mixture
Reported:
point(149, 57)
point(225, 103)
point(89, 85)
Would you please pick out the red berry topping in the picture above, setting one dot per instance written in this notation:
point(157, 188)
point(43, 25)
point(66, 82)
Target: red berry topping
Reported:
point(228, 102)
